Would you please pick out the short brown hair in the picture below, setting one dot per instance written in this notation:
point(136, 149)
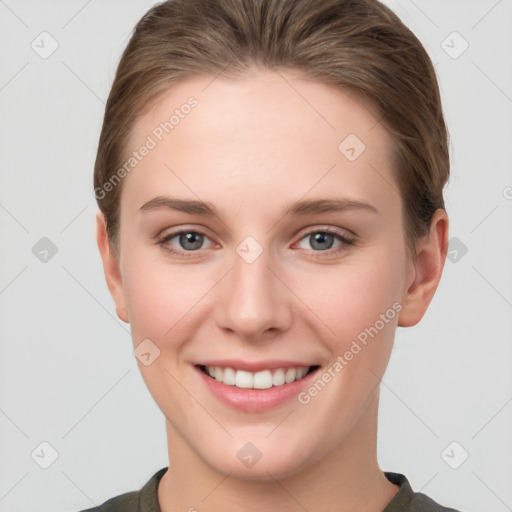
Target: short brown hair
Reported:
point(358, 45)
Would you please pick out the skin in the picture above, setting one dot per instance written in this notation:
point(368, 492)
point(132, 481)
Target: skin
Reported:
point(250, 147)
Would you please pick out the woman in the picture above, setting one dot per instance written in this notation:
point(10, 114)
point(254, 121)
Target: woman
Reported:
point(270, 181)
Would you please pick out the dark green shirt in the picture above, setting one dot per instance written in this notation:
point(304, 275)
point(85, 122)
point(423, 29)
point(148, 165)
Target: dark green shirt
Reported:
point(145, 500)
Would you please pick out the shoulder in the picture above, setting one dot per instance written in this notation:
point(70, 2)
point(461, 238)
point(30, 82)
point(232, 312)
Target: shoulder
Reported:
point(406, 500)
point(144, 500)
point(127, 502)
point(423, 503)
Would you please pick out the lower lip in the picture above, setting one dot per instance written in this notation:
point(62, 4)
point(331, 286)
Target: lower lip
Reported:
point(256, 400)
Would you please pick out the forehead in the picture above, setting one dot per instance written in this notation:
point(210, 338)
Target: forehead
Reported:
point(262, 135)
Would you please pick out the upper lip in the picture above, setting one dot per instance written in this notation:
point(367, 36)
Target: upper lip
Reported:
point(254, 366)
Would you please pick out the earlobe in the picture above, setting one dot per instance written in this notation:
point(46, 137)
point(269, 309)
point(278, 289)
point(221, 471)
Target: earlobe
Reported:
point(427, 271)
point(111, 268)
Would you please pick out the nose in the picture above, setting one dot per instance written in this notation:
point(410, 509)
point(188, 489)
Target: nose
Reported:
point(254, 302)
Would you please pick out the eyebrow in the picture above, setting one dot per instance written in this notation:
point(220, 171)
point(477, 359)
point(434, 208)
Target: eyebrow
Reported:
point(302, 207)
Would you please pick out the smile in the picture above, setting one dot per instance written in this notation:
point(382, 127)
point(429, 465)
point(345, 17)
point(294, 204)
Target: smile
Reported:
point(263, 379)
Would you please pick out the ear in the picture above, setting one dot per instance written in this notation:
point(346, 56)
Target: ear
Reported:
point(111, 267)
point(426, 271)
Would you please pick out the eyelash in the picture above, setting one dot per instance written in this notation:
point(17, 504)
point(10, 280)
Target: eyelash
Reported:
point(329, 252)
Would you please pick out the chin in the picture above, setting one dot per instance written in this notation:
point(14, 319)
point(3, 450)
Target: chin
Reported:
point(249, 463)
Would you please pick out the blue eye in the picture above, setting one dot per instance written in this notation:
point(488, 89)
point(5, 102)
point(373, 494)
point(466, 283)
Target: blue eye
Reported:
point(323, 240)
point(191, 242)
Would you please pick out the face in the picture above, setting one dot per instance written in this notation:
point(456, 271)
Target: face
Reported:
point(276, 243)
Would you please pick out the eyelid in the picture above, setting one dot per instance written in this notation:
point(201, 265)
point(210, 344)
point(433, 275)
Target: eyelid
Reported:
point(180, 230)
point(345, 239)
point(319, 228)
point(183, 229)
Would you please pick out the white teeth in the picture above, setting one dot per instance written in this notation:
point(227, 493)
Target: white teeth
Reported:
point(301, 372)
point(278, 377)
point(229, 376)
point(264, 379)
point(291, 373)
point(242, 379)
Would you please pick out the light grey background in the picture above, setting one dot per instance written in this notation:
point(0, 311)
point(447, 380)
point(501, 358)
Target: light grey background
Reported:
point(67, 373)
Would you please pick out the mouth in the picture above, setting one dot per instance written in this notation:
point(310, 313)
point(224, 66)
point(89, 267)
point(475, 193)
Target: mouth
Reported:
point(263, 379)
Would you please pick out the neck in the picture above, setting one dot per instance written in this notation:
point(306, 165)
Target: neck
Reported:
point(348, 478)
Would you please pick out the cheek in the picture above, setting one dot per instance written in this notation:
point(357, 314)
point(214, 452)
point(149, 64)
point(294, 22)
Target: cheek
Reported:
point(160, 298)
point(360, 307)
point(354, 294)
